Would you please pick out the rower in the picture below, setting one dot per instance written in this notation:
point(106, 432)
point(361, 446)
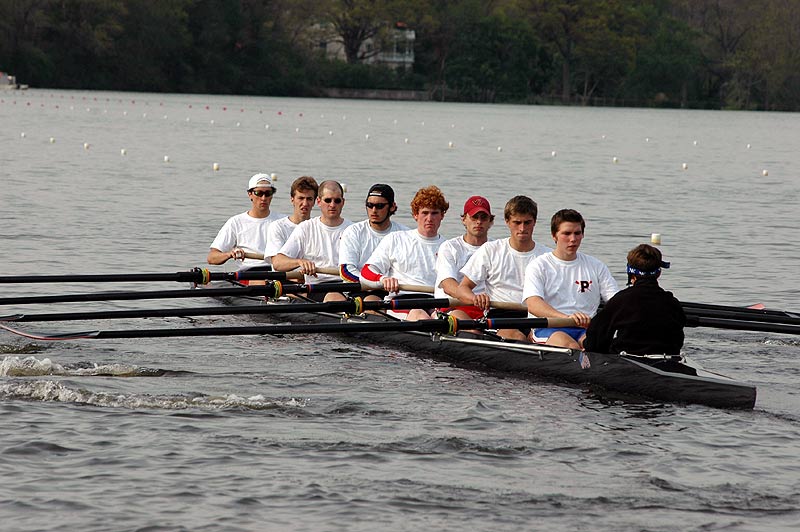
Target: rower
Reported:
point(315, 242)
point(499, 265)
point(643, 319)
point(246, 232)
point(361, 238)
point(409, 257)
point(302, 194)
point(566, 283)
point(454, 253)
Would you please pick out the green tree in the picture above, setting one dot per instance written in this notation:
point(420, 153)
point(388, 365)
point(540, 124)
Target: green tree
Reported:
point(79, 36)
point(497, 57)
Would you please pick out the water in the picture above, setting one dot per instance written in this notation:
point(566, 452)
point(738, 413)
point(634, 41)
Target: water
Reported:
point(310, 433)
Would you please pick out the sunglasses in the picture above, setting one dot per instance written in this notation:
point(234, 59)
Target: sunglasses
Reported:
point(379, 206)
point(337, 201)
point(259, 193)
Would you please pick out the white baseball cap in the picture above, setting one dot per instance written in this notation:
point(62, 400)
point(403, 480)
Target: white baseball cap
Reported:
point(260, 180)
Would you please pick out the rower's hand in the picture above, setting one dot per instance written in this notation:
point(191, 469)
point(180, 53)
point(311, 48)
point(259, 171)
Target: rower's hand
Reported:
point(307, 267)
point(390, 284)
point(236, 254)
point(581, 319)
point(481, 301)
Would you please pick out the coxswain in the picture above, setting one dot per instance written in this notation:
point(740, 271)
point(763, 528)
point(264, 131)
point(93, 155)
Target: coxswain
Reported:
point(643, 319)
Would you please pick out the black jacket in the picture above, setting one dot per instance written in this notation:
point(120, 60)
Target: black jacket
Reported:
point(640, 320)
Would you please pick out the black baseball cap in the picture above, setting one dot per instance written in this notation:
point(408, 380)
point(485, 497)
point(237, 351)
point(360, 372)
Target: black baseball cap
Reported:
point(382, 191)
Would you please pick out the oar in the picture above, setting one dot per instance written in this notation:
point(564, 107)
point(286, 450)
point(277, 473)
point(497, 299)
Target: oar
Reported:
point(786, 319)
point(333, 271)
point(741, 325)
point(196, 276)
point(447, 326)
point(350, 306)
point(271, 289)
point(745, 312)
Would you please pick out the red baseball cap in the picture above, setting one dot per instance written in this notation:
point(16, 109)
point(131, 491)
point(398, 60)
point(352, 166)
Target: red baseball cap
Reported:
point(476, 204)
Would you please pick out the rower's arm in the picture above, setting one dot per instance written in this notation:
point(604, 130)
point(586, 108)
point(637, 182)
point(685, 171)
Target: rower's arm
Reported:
point(216, 256)
point(465, 293)
point(283, 263)
point(450, 287)
point(541, 309)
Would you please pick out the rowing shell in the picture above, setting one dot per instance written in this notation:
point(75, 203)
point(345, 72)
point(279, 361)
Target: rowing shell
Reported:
point(660, 377)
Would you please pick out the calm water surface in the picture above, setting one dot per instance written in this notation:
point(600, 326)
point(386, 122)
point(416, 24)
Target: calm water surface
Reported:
point(310, 433)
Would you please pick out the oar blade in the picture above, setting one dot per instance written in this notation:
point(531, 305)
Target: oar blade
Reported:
point(47, 337)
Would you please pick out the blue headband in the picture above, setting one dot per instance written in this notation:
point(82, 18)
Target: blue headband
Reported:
point(635, 271)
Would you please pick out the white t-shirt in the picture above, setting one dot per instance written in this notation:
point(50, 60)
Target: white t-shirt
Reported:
point(407, 256)
point(359, 241)
point(277, 234)
point(453, 255)
point(245, 232)
point(313, 240)
point(569, 286)
point(500, 269)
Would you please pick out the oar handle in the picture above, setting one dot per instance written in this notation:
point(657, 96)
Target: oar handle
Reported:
point(422, 289)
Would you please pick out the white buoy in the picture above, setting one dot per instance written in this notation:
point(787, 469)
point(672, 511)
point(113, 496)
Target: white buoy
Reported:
point(748, 146)
point(85, 145)
point(684, 166)
point(369, 119)
point(330, 132)
point(603, 137)
point(297, 130)
point(614, 160)
point(266, 126)
point(450, 144)
point(655, 238)
point(694, 142)
point(422, 123)
point(344, 117)
point(406, 140)
point(499, 148)
point(212, 122)
point(366, 137)
point(395, 121)
point(238, 124)
point(52, 140)
point(188, 119)
point(124, 113)
point(22, 135)
point(482, 128)
point(764, 172)
point(273, 176)
point(215, 167)
point(647, 139)
point(553, 153)
point(166, 158)
point(144, 115)
point(165, 117)
point(123, 152)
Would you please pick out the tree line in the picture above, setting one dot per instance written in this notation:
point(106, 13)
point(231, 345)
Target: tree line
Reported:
point(731, 54)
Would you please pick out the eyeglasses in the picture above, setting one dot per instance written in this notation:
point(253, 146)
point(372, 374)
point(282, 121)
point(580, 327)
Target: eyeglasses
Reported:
point(259, 193)
point(379, 206)
point(337, 201)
